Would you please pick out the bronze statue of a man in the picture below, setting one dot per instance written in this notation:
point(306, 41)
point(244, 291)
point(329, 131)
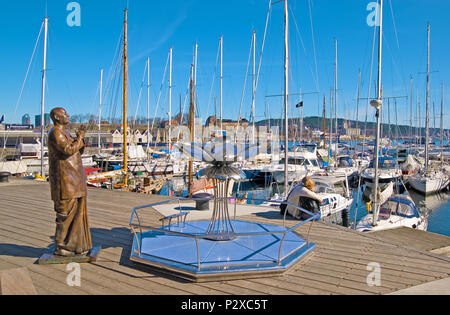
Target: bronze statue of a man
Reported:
point(68, 187)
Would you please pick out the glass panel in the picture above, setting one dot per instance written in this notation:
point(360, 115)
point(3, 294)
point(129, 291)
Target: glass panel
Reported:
point(387, 209)
point(387, 164)
point(345, 162)
point(405, 210)
point(310, 148)
point(339, 188)
point(320, 189)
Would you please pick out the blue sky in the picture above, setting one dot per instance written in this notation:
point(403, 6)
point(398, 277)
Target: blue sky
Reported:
point(76, 54)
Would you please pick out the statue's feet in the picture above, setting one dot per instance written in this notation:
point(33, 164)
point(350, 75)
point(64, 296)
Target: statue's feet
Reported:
point(66, 253)
point(63, 253)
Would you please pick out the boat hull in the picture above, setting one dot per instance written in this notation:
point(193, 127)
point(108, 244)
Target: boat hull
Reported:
point(429, 185)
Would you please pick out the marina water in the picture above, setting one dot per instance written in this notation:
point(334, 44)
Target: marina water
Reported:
point(438, 205)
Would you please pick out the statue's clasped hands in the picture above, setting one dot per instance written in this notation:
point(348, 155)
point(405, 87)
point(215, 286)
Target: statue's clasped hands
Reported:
point(81, 132)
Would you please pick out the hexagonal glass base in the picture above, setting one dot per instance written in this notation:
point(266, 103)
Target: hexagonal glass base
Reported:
point(239, 257)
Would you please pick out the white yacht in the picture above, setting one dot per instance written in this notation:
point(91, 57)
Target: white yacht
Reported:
point(397, 211)
point(430, 181)
point(335, 193)
point(303, 162)
point(345, 165)
point(333, 190)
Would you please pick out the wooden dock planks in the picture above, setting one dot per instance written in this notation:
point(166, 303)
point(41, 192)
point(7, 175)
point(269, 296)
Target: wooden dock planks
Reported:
point(337, 266)
point(415, 238)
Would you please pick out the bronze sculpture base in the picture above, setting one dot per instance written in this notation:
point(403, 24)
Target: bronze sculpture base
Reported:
point(52, 259)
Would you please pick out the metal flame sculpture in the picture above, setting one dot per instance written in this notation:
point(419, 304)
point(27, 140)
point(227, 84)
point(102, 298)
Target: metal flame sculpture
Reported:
point(221, 156)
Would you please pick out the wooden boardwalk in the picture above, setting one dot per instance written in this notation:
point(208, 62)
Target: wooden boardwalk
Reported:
point(414, 238)
point(337, 266)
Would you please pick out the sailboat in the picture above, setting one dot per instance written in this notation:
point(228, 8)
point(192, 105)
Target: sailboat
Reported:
point(394, 211)
point(429, 180)
point(133, 159)
point(397, 211)
point(383, 172)
point(104, 161)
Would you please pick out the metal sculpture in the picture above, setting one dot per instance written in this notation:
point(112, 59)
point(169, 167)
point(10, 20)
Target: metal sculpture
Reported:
point(221, 155)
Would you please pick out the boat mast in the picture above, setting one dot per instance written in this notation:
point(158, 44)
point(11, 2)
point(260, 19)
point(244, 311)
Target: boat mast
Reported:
point(357, 102)
point(427, 136)
point(170, 98)
point(221, 84)
point(125, 121)
point(324, 122)
point(301, 118)
point(44, 71)
point(195, 87)
point(417, 135)
point(442, 126)
point(254, 86)
point(195, 66)
point(411, 112)
point(100, 112)
point(148, 104)
point(378, 103)
point(331, 123)
point(335, 97)
point(191, 128)
point(286, 93)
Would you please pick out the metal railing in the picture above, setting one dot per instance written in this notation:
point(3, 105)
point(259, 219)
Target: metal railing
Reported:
point(313, 217)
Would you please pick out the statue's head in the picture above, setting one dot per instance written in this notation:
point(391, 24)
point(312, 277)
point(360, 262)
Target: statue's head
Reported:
point(59, 116)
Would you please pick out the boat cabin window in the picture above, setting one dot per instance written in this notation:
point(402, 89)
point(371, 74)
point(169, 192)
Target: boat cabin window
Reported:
point(309, 148)
point(293, 161)
point(387, 209)
point(321, 188)
point(405, 210)
point(345, 162)
point(384, 164)
point(311, 163)
point(339, 187)
point(387, 164)
point(314, 163)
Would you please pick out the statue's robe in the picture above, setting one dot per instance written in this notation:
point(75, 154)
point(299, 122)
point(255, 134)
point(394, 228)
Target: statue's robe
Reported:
point(69, 193)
